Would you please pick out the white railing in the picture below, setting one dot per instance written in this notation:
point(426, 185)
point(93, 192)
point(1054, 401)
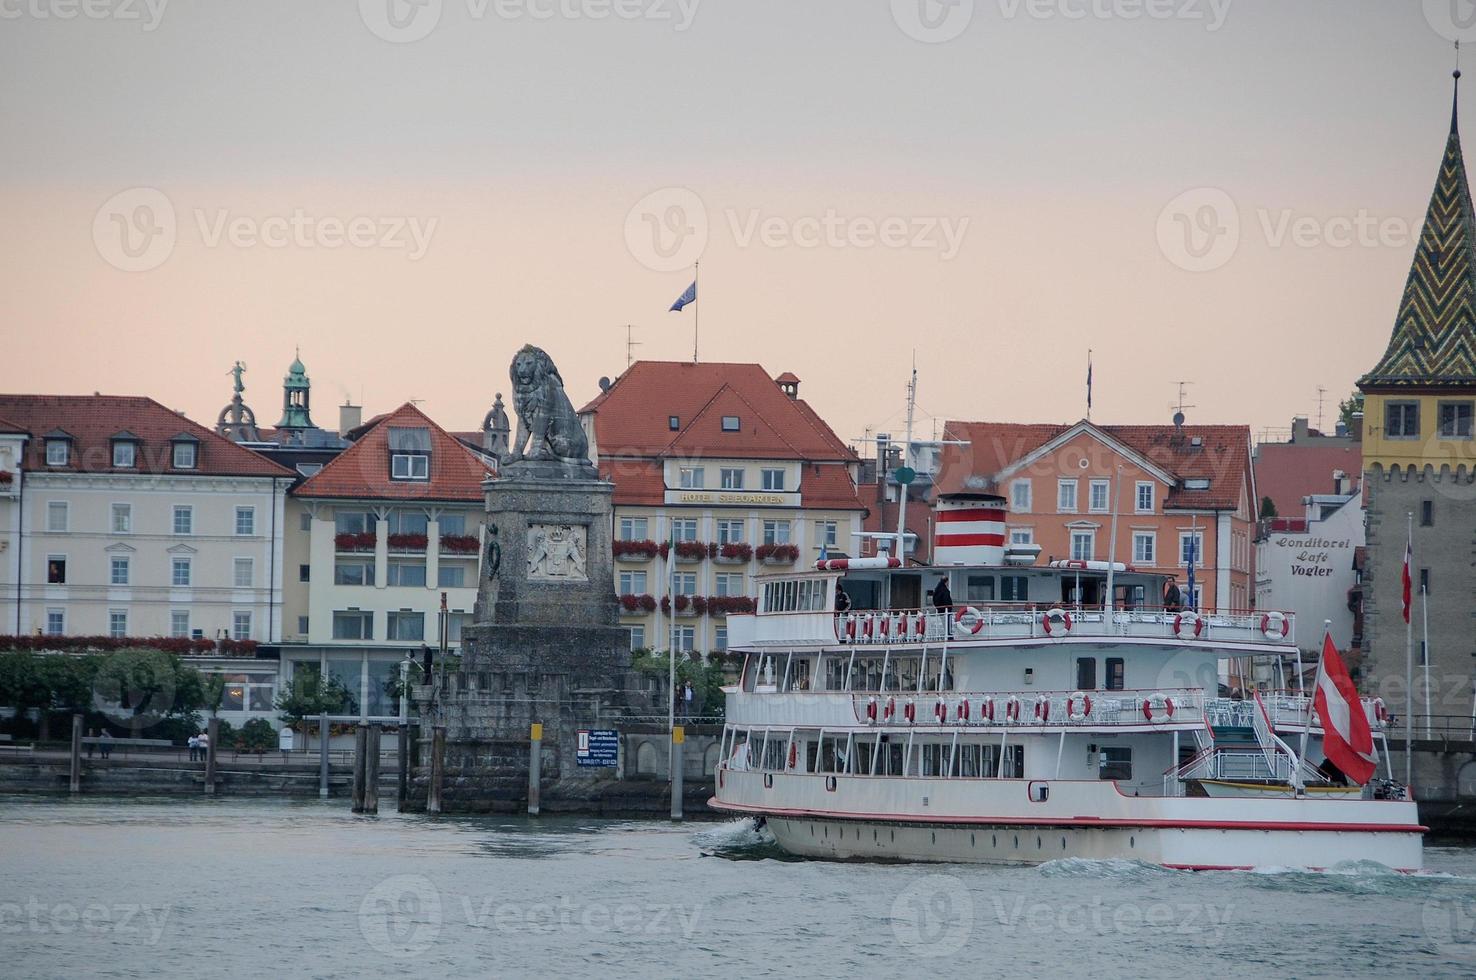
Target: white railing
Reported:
point(963, 709)
point(1290, 711)
point(985, 622)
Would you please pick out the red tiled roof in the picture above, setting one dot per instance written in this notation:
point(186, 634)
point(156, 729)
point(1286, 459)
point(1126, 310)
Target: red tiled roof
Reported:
point(1223, 456)
point(92, 421)
point(787, 378)
point(362, 471)
point(631, 417)
point(829, 486)
point(1286, 472)
point(10, 428)
point(639, 483)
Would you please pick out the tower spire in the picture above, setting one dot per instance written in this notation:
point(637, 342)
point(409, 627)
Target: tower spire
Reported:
point(1455, 97)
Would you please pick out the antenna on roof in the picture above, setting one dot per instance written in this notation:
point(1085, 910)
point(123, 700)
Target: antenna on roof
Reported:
point(1321, 391)
point(630, 345)
point(1181, 405)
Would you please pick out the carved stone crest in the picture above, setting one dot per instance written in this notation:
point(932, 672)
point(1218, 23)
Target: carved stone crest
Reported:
point(557, 553)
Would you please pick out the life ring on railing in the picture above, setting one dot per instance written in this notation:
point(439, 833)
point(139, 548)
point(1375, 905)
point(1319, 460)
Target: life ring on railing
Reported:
point(1079, 706)
point(940, 711)
point(1381, 713)
point(962, 710)
point(909, 711)
point(1012, 710)
point(1185, 619)
point(868, 625)
point(890, 710)
point(884, 625)
point(1056, 614)
point(920, 626)
point(986, 710)
point(968, 620)
point(1157, 708)
point(793, 755)
point(851, 626)
point(1042, 709)
point(871, 710)
point(1274, 625)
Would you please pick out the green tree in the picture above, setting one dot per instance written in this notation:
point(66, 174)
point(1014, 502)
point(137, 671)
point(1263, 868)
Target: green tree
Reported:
point(707, 678)
point(257, 736)
point(1353, 403)
point(307, 695)
point(1268, 508)
point(139, 688)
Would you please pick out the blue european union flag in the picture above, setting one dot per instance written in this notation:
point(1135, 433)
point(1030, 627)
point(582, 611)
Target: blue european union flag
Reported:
point(690, 296)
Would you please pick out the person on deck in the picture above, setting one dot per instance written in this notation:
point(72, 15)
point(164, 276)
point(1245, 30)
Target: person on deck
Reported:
point(942, 597)
point(842, 599)
point(1173, 600)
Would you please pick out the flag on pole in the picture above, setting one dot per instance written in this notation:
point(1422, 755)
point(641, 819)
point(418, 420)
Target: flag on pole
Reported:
point(1408, 555)
point(1347, 740)
point(1193, 542)
point(690, 296)
point(1089, 382)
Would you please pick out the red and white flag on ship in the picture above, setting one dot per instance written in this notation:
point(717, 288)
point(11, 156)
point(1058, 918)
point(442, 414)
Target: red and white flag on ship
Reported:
point(1408, 555)
point(1347, 740)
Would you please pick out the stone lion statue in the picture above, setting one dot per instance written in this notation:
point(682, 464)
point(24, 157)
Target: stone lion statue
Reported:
point(548, 428)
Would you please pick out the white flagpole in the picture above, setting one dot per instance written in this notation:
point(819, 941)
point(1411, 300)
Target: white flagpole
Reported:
point(1112, 544)
point(1425, 651)
point(697, 310)
point(1311, 704)
point(1408, 665)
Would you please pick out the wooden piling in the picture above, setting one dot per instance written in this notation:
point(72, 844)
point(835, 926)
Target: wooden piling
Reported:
point(323, 757)
point(535, 766)
point(437, 769)
point(361, 747)
point(371, 771)
point(213, 731)
point(74, 784)
point(403, 789)
point(678, 740)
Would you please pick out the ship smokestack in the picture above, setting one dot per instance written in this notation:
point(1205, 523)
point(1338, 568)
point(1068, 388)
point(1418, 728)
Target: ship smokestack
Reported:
point(970, 529)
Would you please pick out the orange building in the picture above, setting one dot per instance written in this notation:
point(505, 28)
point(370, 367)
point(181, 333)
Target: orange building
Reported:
point(1169, 485)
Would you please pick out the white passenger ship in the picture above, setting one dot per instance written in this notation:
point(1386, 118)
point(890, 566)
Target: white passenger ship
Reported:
point(1055, 711)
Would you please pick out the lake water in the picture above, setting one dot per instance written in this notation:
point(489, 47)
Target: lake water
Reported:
point(140, 888)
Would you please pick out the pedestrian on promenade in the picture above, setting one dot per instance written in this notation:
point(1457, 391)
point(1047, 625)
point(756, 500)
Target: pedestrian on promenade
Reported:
point(91, 734)
point(204, 739)
point(284, 742)
point(688, 694)
point(194, 743)
point(105, 741)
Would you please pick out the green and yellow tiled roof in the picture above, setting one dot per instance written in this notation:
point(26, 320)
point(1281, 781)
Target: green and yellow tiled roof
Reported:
point(1434, 341)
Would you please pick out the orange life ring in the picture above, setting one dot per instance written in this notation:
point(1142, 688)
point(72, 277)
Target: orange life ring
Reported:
point(963, 710)
point(1164, 708)
point(940, 711)
point(1274, 624)
point(1085, 701)
point(1056, 613)
point(1179, 623)
point(986, 710)
point(977, 620)
point(909, 711)
point(871, 709)
point(1042, 709)
point(890, 710)
point(793, 755)
point(1012, 709)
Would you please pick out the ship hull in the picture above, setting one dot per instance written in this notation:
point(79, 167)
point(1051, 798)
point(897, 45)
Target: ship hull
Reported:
point(1006, 822)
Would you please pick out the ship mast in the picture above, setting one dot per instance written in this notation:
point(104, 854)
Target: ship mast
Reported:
point(906, 458)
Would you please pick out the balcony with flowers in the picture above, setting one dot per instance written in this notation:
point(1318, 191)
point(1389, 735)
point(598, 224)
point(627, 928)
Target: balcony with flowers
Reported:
point(636, 551)
point(686, 605)
point(689, 552)
point(777, 554)
point(459, 544)
point(733, 553)
point(408, 543)
point(722, 605)
point(637, 605)
point(355, 541)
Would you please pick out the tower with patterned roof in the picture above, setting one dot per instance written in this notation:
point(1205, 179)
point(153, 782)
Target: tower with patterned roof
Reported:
point(1419, 461)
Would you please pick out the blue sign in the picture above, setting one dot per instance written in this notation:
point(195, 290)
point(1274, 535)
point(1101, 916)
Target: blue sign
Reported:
point(598, 747)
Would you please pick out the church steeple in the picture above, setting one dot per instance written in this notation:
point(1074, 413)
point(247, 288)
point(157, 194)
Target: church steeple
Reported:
point(1434, 339)
point(296, 397)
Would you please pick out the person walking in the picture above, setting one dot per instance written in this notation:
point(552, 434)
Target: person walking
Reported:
point(204, 739)
point(105, 743)
point(942, 597)
point(194, 744)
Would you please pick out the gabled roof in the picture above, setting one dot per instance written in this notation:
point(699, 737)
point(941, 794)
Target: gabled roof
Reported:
point(631, 417)
point(92, 421)
point(1434, 339)
point(993, 448)
point(362, 471)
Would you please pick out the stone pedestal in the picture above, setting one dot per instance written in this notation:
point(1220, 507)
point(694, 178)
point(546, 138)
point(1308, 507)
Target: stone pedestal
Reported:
point(546, 645)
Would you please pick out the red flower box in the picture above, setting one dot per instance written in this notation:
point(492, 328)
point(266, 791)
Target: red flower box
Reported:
point(461, 544)
point(635, 550)
point(691, 550)
point(777, 553)
point(408, 542)
point(735, 551)
point(355, 540)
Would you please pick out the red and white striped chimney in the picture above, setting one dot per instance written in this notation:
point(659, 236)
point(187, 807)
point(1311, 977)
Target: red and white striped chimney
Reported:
point(970, 530)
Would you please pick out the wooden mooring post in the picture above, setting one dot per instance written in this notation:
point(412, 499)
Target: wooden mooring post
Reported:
point(437, 769)
point(361, 748)
point(74, 784)
point(213, 731)
point(535, 766)
point(371, 770)
point(403, 789)
point(678, 739)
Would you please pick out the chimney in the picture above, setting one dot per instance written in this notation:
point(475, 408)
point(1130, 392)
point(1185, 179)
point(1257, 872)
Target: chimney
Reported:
point(1356, 430)
point(789, 384)
point(1300, 429)
point(349, 417)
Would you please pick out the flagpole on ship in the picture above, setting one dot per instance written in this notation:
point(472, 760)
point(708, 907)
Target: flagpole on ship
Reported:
point(1408, 664)
point(1296, 777)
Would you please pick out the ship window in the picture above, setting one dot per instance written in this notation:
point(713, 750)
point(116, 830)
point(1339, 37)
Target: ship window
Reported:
point(1086, 673)
point(980, 588)
point(1115, 674)
point(1014, 588)
point(1115, 762)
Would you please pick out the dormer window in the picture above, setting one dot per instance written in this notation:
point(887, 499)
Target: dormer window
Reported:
point(409, 453)
point(1197, 483)
point(731, 423)
point(58, 452)
point(185, 452)
point(125, 451)
point(673, 422)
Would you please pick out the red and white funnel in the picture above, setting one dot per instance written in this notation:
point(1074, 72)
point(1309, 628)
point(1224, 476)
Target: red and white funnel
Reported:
point(970, 530)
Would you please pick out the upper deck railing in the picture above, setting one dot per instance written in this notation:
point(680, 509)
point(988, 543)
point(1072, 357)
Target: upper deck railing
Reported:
point(985, 622)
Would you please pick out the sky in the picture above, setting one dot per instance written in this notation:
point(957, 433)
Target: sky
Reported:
point(1220, 192)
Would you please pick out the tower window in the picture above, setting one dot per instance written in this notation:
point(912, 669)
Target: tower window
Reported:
point(1455, 420)
point(1402, 420)
point(1427, 513)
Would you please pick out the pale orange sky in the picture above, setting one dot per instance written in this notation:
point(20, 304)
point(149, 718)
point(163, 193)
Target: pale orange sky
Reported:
point(1055, 145)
